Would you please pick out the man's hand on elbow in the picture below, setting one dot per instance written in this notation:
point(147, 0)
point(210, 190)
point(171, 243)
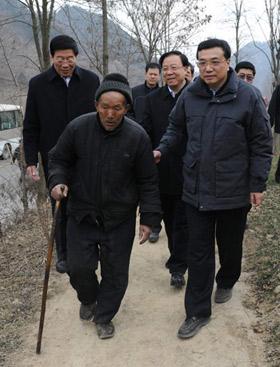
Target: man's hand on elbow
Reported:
point(157, 156)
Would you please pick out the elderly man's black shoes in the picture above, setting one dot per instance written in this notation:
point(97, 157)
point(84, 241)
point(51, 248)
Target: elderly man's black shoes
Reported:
point(177, 280)
point(87, 311)
point(105, 330)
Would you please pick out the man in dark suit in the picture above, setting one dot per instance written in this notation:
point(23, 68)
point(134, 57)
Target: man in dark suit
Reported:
point(139, 93)
point(55, 97)
point(274, 112)
point(158, 106)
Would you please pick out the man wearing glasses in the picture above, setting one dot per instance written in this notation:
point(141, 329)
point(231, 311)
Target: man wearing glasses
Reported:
point(55, 97)
point(226, 165)
point(246, 71)
point(158, 106)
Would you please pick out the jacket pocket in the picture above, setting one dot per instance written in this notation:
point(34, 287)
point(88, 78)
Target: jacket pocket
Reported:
point(190, 174)
point(232, 178)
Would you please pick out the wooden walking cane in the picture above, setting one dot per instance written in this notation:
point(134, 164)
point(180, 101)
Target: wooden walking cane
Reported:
point(47, 275)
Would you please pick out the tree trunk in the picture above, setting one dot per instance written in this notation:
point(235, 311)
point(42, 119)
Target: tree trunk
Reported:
point(105, 37)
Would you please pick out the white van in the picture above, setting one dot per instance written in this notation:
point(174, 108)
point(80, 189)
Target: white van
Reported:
point(11, 119)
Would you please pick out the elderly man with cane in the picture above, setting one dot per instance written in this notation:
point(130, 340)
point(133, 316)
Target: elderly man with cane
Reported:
point(105, 162)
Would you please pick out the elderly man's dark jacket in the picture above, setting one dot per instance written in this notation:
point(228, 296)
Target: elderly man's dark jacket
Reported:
point(138, 94)
point(109, 173)
point(51, 105)
point(274, 109)
point(229, 143)
point(158, 107)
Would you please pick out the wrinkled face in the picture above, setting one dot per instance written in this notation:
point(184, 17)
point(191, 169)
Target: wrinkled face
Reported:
point(64, 62)
point(189, 75)
point(111, 107)
point(173, 72)
point(213, 67)
point(152, 77)
point(247, 75)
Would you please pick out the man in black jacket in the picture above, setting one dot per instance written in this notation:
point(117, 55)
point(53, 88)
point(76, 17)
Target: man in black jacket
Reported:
point(105, 161)
point(139, 93)
point(274, 112)
point(226, 165)
point(158, 106)
point(55, 97)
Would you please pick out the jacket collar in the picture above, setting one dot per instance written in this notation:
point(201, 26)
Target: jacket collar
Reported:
point(109, 133)
point(52, 74)
point(228, 90)
point(148, 89)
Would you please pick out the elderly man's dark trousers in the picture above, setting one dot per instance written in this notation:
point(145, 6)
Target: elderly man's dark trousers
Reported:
point(176, 228)
point(228, 227)
point(86, 245)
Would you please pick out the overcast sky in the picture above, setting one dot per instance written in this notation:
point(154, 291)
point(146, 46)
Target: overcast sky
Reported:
point(221, 26)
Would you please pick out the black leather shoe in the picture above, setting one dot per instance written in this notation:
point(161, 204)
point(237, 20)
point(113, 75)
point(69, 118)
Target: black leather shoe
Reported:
point(87, 311)
point(223, 295)
point(61, 266)
point(177, 280)
point(105, 330)
point(191, 327)
point(153, 238)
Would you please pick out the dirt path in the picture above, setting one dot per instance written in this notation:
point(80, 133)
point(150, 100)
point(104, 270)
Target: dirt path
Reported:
point(146, 327)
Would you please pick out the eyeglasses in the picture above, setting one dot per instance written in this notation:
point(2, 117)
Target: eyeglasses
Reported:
point(212, 63)
point(171, 68)
point(248, 77)
point(68, 60)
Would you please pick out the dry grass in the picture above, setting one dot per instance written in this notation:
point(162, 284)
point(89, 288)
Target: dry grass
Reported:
point(263, 260)
point(22, 264)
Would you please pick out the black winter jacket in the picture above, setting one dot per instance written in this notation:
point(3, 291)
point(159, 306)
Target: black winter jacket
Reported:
point(158, 107)
point(138, 94)
point(51, 105)
point(229, 143)
point(274, 109)
point(109, 173)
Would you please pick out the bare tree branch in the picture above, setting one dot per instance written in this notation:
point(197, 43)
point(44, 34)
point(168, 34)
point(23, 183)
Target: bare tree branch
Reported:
point(272, 12)
point(161, 25)
point(8, 63)
point(41, 13)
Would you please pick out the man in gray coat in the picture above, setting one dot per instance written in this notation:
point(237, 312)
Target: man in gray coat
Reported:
point(226, 165)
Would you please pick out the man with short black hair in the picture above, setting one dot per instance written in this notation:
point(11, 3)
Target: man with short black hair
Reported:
point(190, 73)
point(226, 165)
point(158, 106)
point(246, 71)
point(152, 76)
point(105, 161)
point(55, 97)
